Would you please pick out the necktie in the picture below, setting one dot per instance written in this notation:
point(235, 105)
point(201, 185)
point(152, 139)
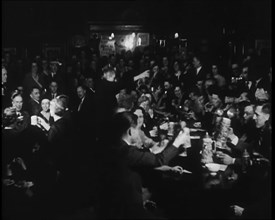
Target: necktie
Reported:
point(260, 141)
point(79, 107)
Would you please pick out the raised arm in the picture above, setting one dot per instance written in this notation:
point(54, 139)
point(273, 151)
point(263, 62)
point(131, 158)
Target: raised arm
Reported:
point(138, 158)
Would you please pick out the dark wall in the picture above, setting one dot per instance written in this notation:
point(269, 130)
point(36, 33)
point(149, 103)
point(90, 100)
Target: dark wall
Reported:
point(29, 23)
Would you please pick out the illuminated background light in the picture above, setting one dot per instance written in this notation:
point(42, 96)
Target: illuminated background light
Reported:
point(129, 42)
point(139, 41)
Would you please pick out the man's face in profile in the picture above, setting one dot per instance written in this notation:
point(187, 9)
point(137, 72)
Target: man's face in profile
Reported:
point(134, 134)
point(248, 113)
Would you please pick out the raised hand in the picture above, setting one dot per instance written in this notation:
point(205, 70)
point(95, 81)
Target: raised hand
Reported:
point(181, 139)
point(142, 75)
point(177, 169)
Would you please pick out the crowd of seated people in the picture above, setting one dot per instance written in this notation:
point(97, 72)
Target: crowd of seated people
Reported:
point(57, 115)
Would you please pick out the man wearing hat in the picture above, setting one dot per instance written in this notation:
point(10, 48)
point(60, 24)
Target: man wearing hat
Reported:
point(54, 73)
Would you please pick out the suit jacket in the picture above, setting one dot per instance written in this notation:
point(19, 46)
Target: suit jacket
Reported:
point(33, 107)
point(192, 77)
point(17, 125)
point(50, 121)
point(84, 117)
point(105, 101)
point(242, 86)
point(260, 143)
point(29, 83)
point(48, 95)
point(201, 74)
point(60, 141)
point(178, 80)
point(264, 83)
point(90, 93)
point(56, 77)
point(120, 183)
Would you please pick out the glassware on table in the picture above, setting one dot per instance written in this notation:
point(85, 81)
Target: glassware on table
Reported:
point(154, 132)
point(207, 150)
point(245, 161)
point(171, 126)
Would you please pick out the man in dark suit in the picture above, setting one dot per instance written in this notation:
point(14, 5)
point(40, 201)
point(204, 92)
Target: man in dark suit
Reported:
point(90, 86)
point(199, 71)
point(120, 186)
point(247, 83)
point(258, 185)
point(53, 91)
point(178, 77)
point(84, 117)
point(55, 74)
point(33, 79)
point(165, 101)
point(262, 137)
point(84, 106)
point(33, 105)
point(105, 96)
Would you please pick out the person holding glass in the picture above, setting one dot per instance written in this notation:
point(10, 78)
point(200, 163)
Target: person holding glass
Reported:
point(120, 184)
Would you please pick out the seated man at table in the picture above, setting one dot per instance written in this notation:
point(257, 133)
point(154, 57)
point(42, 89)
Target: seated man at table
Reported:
point(120, 192)
point(211, 108)
point(248, 126)
point(248, 132)
point(261, 145)
point(164, 103)
point(194, 105)
point(258, 187)
point(33, 105)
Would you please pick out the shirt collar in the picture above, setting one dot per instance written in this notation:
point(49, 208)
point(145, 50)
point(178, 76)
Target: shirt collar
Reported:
point(92, 89)
point(34, 100)
point(198, 69)
point(178, 73)
point(126, 141)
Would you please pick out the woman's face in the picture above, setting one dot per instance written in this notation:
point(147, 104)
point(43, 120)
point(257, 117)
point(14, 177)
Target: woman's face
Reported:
point(45, 104)
point(140, 116)
point(145, 105)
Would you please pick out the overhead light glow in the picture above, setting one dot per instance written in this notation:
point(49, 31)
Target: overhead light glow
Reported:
point(129, 42)
point(139, 41)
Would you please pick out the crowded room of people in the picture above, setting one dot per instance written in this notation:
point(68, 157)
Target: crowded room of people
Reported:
point(136, 110)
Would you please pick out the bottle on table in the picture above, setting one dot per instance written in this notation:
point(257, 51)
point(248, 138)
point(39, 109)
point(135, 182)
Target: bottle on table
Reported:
point(207, 151)
point(246, 161)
